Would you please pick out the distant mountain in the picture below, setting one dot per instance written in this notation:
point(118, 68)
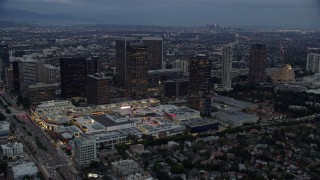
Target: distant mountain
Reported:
point(16, 15)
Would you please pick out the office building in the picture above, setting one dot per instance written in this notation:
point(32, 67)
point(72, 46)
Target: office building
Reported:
point(73, 77)
point(227, 58)
point(181, 64)
point(199, 84)
point(51, 73)
point(257, 64)
point(92, 65)
point(125, 167)
point(154, 47)
point(25, 169)
point(99, 89)
point(28, 74)
point(11, 149)
point(156, 79)
point(39, 92)
point(85, 150)
point(4, 59)
point(9, 77)
point(136, 72)
point(313, 63)
point(175, 88)
point(15, 76)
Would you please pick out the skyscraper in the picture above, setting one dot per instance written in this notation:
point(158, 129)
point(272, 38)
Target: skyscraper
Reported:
point(313, 63)
point(136, 71)
point(73, 77)
point(257, 63)
point(99, 89)
point(199, 84)
point(4, 59)
point(227, 58)
point(154, 47)
point(16, 80)
point(28, 74)
point(92, 65)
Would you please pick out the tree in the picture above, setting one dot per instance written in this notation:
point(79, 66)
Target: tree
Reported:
point(177, 169)
point(8, 111)
point(94, 164)
point(2, 117)
point(40, 175)
point(3, 168)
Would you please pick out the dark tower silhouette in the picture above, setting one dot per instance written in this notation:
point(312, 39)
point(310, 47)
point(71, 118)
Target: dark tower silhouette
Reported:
point(154, 47)
point(257, 64)
point(199, 84)
point(4, 57)
point(73, 77)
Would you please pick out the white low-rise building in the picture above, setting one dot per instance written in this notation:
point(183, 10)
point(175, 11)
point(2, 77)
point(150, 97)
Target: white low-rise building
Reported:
point(12, 149)
point(85, 150)
point(26, 168)
point(234, 118)
point(126, 167)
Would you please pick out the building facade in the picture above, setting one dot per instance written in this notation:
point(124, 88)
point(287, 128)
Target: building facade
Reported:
point(28, 74)
point(199, 84)
point(51, 73)
point(136, 72)
point(181, 64)
point(85, 150)
point(73, 77)
point(125, 167)
point(4, 59)
point(313, 63)
point(257, 64)
point(42, 92)
point(154, 47)
point(12, 149)
point(156, 79)
point(92, 65)
point(15, 76)
point(227, 59)
point(99, 89)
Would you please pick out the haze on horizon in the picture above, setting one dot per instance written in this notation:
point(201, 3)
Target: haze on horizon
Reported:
point(303, 14)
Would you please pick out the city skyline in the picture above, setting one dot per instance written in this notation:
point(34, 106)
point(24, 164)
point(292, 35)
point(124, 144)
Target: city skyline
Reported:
point(283, 14)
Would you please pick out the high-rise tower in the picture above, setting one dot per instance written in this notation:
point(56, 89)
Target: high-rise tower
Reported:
point(199, 84)
point(227, 58)
point(73, 77)
point(4, 59)
point(257, 64)
point(136, 71)
point(154, 47)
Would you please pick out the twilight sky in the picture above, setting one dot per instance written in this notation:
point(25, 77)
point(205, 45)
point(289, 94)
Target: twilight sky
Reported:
point(278, 13)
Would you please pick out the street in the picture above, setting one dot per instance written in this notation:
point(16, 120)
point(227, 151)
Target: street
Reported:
point(44, 153)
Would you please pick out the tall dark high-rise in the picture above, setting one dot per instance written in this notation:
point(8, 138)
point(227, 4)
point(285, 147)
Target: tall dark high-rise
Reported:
point(73, 77)
point(154, 47)
point(16, 80)
point(99, 89)
point(136, 71)
point(4, 59)
point(257, 64)
point(92, 65)
point(199, 84)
